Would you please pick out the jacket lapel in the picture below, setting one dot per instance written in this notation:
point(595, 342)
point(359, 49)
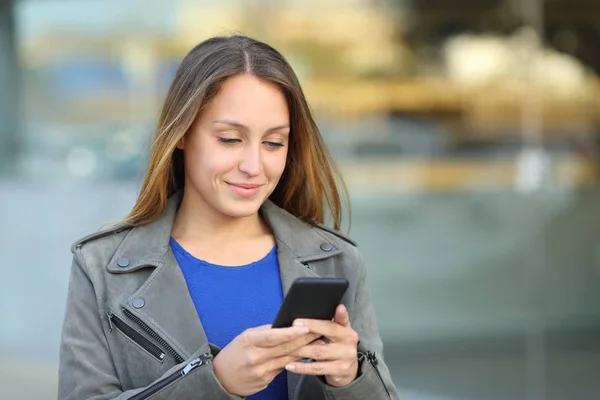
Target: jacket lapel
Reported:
point(163, 301)
point(302, 249)
point(168, 308)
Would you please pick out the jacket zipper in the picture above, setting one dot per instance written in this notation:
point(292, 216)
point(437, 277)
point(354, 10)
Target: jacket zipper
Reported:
point(204, 359)
point(154, 335)
point(372, 358)
point(131, 333)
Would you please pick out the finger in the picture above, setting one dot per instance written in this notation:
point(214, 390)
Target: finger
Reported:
point(341, 316)
point(330, 352)
point(330, 329)
point(278, 364)
point(318, 341)
point(261, 337)
point(318, 368)
point(303, 341)
point(291, 346)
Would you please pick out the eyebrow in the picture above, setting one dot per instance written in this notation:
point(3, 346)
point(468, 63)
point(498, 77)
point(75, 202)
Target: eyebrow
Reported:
point(244, 127)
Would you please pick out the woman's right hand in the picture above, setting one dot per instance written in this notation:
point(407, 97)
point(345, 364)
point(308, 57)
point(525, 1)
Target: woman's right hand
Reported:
point(255, 357)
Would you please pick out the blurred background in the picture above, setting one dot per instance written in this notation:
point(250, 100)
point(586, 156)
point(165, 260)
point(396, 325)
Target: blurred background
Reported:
point(467, 131)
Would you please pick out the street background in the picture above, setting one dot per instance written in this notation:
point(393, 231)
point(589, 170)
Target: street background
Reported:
point(467, 131)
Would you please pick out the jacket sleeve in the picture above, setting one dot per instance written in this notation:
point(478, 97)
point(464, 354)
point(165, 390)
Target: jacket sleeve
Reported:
point(374, 381)
point(86, 369)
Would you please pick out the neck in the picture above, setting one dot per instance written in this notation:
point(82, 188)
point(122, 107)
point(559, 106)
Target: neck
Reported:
point(198, 221)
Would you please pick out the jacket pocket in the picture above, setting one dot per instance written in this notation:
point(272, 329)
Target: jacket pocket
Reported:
point(178, 358)
point(135, 336)
point(204, 359)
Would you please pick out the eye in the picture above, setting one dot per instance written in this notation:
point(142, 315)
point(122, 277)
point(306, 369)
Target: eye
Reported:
point(274, 145)
point(229, 140)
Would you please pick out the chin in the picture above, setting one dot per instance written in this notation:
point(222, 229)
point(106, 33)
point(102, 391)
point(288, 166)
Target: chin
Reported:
point(240, 208)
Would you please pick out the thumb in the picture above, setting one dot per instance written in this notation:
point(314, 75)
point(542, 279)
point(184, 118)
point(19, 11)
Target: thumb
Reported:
point(341, 316)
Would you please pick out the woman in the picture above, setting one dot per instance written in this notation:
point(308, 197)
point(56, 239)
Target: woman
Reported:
point(176, 301)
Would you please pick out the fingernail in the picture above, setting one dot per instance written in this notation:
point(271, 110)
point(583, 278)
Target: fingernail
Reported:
point(290, 367)
point(298, 323)
point(303, 331)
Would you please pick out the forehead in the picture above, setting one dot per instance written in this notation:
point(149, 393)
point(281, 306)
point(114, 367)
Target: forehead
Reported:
point(249, 98)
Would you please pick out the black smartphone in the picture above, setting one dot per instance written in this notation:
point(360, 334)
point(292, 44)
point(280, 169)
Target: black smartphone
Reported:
point(311, 298)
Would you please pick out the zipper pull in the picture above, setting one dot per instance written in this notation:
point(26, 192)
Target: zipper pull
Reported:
point(109, 314)
point(372, 358)
point(195, 363)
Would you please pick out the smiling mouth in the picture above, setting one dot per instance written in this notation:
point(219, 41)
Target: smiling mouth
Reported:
point(245, 185)
point(244, 190)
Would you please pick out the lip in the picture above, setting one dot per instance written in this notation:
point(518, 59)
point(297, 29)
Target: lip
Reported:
point(245, 190)
point(245, 185)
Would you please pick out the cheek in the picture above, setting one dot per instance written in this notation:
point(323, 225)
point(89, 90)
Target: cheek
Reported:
point(207, 160)
point(218, 163)
point(276, 164)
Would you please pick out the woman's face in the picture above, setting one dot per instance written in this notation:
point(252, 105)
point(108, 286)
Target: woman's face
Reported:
point(236, 150)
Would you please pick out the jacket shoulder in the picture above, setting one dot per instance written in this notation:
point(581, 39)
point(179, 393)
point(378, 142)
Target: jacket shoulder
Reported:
point(103, 232)
point(337, 234)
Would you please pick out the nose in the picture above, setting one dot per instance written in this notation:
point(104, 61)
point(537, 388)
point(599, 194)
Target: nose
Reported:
point(251, 162)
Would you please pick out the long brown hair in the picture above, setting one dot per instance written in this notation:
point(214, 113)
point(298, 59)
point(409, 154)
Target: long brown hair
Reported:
point(310, 179)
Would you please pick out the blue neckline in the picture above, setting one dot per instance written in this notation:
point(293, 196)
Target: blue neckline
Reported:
point(183, 252)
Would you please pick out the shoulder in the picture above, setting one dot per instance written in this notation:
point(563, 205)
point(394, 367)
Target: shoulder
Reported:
point(349, 247)
point(96, 249)
point(349, 258)
point(336, 235)
point(95, 237)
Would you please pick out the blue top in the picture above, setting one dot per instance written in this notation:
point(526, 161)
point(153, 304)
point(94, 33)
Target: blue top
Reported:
point(230, 300)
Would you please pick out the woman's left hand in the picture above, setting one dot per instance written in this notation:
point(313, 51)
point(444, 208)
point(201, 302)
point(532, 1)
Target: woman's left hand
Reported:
point(337, 360)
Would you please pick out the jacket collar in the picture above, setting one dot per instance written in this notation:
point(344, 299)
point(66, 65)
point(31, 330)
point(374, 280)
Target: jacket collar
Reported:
point(148, 245)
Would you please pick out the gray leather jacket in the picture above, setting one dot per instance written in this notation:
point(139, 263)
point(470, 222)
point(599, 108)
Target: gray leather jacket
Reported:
point(131, 330)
